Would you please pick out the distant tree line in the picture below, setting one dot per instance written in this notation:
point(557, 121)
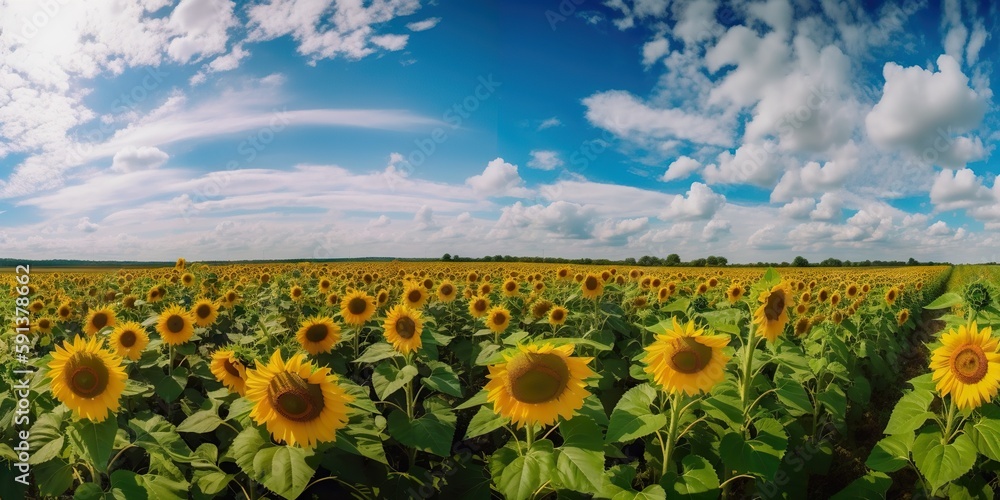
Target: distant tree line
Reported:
point(675, 260)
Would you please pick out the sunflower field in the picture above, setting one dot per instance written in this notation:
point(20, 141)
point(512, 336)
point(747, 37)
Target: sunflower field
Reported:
point(478, 380)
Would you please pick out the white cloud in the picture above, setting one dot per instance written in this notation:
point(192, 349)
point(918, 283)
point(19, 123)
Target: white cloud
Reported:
point(828, 209)
point(549, 123)
point(959, 189)
point(86, 226)
point(499, 179)
point(654, 50)
point(612, 230)
point(769, 237)
point(202, 27)
point(680, 168)
point(939, 228)
point(346, 30)
point(948, 106)
point(700, 203)
point(424, 25)
point(545, 160)
point(560, 219)
point(424, 218)
point(625, 115)
point(715, 229)
point(757, 164)
point(798, 208)
point(132, 158)
point(381, 221)
point(976, 42)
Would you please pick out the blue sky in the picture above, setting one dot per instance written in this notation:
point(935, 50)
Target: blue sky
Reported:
point(757, 130)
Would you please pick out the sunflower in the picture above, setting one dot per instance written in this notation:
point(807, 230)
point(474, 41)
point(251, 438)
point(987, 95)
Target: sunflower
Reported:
point(772, 315)
point(967, 366)
point(65, 311)
point(557, 315)
point(187, 279)
point(357, 307)
point(44, 325)
point(129, 340)
point(97, 319)
point(175, 325)
point(205, 312)
point(498, 319)
point(685, 359)
point(902, 317)
point(333, 299)
point(510, 288)
point(591, 286)
point(734, 293)
point(382, 297)
point(403, 327)
point(835, 299)
point(318, 334)
point(891, 295)
point(478, 306)
point(299, 404)
point(662, 294)
point(86, 378)
point(446, 291)
point(324, 285)
point(128, 302)
point(229, 370)
point(296, 293)
point(540, 308)
point(155, 293)
point(231, 298)
point(802, 326)
point(538, 384)
point(414, 295)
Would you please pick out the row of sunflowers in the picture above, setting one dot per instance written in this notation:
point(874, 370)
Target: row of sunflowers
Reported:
point(403, 380)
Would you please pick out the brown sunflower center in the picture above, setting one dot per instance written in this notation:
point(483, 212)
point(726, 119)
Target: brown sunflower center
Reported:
point(690, 356)
point(480, 305)
point(317, 332)
point(537, 378)
point(44, 323)
point(86, 375)
point(406, 327)
point(590, 283)
point(175, 323)
point(558, 315)
point(357, 305)
point(499, 318)
point(296, 292)
point(414, 296)
point(204, 311)
point(127, 338)
point(969, 364)
point(510, 286)
point(100, 320)
point(774, 306)
point(231, 296)
point(230, 368)
point(447, 290)
point(294, 398)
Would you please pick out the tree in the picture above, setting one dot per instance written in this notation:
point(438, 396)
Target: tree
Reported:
point(800, 261)
point(630, 261)
point(723, 261)
point(699, 262)
point(712, 260)
point(912, 262)
point(446, 256)
point(673, 260)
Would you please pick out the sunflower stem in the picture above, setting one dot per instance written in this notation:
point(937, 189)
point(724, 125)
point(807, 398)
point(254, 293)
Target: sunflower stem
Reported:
point(947, 430)
point(676, 410)
point(747, 374)
point(530, 434)
point(170, 361)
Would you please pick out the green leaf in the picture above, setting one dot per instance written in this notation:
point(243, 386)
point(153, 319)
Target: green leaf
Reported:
point(94, 440)
point(245, 447)
point(860, 391)
point(88, 491)
point(213, 483)
point(987, 437)
point(135, 388)
point(387, 379)
point(200, 422)
point(891, 453)
point(490, 355)
point(651, 492)
point(835, 401)
point(53, 477)
point(362, 438)
point(699, 480)
point(871, 485)
point(632, 417)
point(47, 437)
point(158, 436)
point(478, 399)
point(163, 488)
point(527, 473)
point(679, 304)
point(126, 485)
point(171, 387)
point(760, 456)
point(580, 459)
point(910, 412)
point(485, 421)
point(794, 397)
point(945, 301)
point(724, 320)
point(725, 407)
point(432, 432)
point(377, 352)
point(580, 341)
point(942, 463)
point(442, 379)
point(284, 470)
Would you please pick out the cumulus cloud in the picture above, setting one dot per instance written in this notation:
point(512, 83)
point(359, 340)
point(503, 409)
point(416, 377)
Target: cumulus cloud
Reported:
point(654, 50)
point(959, 189)
point(939, 228)
point(383, 221)
point(132, 158)
point(756, 164)
point(715, 229)
point(499, 179)
point(610, 230)
point(798, 208)
point(86, 226)
point(545, 160)
point(948, 106)
point(424, 218)
point(680, 168)
point(700, 203)
point(559, 218)
point(625, 115)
